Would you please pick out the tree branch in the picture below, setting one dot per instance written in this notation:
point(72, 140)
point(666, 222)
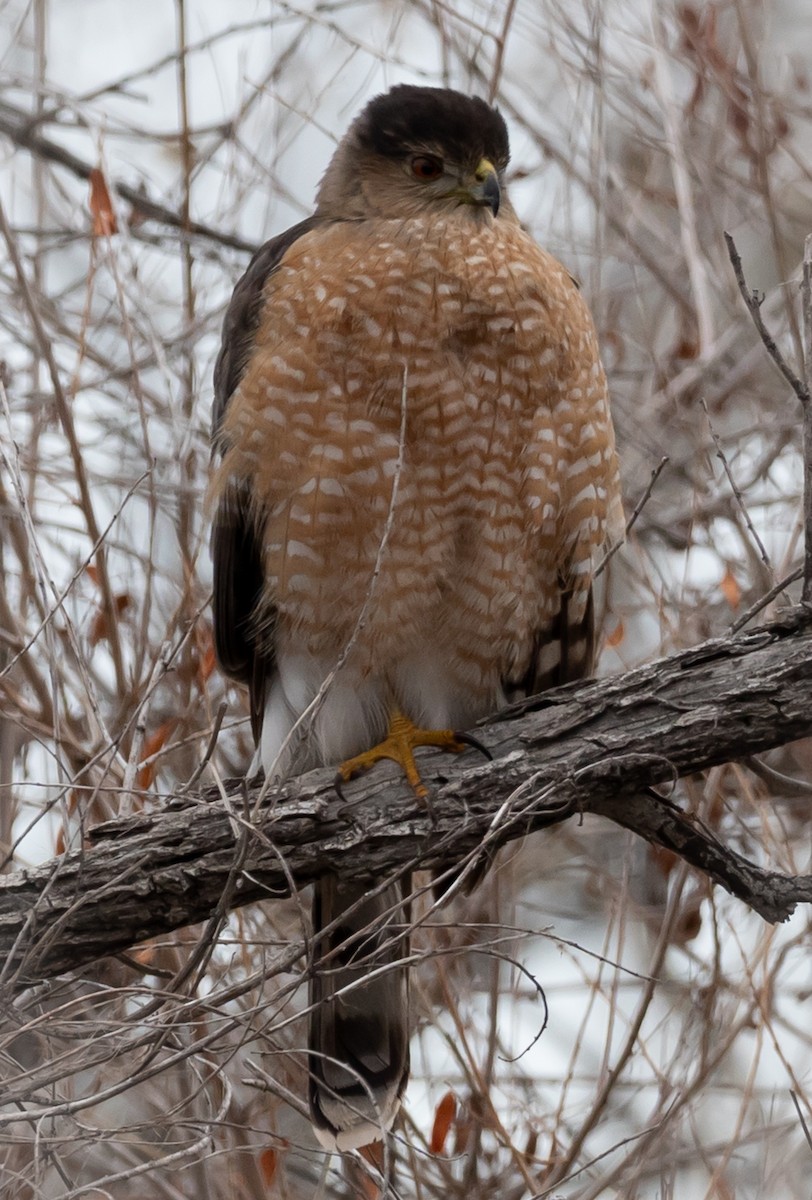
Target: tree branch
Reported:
point(20, 129)
point(593, 747)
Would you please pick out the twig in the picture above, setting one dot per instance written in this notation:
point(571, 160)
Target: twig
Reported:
point(638, 508)
point(209, 751)
point(806, 302)
point(766, 599)
point(754, 302)
point(187, 457)
point(801, 387)
point(720, 454)
point(61, 597)
point(801, 1118)
point(777, 779)
point(499, 57)
point(43, 575)
point(601, 1098)
point(682, 176)
point(65, 415)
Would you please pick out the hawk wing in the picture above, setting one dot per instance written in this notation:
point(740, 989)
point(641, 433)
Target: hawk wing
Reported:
point(562, 653)
point(236, 548)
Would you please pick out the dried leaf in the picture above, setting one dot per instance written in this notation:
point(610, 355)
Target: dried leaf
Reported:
point(730, 589)
point(374, 1154)
point(686, 347)
point(104, 218)
point(444, 1114)
point(206, 658)
point(154, 743)
point(268, 1162)
point(148, 955)
point(664, 860)
point(100, 628)
point(61, 842)
point(689, 918)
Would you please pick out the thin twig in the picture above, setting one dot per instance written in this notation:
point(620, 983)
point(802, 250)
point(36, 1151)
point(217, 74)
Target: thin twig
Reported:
point(720, 454)
point(601, 1098)
point(754, 302)
point(683, 178)
point(636, 511)
point(766, 599)
point(209, 751)
point(65, 415)
point(777, 779)
point(499, 57)
point(62, 596)
point(801, 387)
point(187, 452)
point(806, 303)
point(802, 1119)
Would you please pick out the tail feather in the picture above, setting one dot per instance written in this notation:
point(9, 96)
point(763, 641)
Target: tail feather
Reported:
point(359, 1026)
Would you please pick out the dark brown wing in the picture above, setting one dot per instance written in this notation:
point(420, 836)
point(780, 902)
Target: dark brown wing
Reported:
point(563, 653)
point(235, 547)
point(242, 317)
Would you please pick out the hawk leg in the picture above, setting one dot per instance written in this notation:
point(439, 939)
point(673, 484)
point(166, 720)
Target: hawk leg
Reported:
point(400, 743)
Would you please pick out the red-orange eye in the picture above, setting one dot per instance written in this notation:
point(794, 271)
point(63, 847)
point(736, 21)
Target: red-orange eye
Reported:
point(426, 167)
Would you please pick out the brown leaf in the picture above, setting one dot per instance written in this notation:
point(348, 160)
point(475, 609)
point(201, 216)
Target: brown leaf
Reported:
point(686, 347)
point(104, 219)
point(689, 919)
point(154, 743)
point(374, 1154)
point(206, 660)
point(444, 1114)
point(664, 860)
point(268, 1162)
point(73, 804)
point(100, 627)
point(730, 589)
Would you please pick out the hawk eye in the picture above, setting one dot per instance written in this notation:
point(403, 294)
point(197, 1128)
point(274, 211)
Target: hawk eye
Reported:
point(424, 166)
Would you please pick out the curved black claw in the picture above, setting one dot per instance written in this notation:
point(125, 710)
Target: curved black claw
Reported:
point(338, 785)
point(344, 811)
point(468, 740)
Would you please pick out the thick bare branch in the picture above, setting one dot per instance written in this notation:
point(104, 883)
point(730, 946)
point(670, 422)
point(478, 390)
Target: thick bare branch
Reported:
point(594, 747)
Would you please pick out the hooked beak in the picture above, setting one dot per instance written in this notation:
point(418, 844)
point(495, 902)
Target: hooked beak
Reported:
point(481, 189)
point(485, 189)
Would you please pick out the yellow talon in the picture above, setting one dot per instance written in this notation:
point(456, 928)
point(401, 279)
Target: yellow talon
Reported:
point(400, 743)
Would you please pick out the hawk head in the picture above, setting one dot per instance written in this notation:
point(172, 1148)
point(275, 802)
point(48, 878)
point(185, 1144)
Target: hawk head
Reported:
point(415, 150)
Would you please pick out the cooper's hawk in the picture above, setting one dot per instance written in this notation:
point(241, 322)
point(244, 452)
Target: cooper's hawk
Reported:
point(417, 476)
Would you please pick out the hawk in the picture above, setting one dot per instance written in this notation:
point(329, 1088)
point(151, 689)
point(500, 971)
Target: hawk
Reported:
point(417, 474)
